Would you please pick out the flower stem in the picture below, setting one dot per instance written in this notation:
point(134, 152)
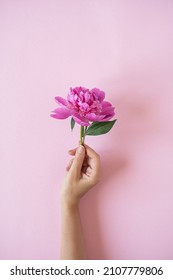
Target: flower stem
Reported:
point(82, 135)
point(85, 129)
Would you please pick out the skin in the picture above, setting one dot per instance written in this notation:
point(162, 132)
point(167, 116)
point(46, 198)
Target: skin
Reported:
point(83, 172)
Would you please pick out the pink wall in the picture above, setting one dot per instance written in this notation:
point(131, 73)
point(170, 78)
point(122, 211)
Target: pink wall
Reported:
point(125, 48)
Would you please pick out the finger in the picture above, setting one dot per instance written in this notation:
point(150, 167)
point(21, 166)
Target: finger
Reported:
point(88, 171)
point(69, 165)
point(93, 160)
point(72, 152)
point(78, 161)
point(92, 154)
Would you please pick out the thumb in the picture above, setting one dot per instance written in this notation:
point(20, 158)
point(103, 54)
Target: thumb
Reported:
point(78, 160)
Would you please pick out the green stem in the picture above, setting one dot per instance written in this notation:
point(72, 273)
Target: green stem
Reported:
point(82, 135)
point(85, 129)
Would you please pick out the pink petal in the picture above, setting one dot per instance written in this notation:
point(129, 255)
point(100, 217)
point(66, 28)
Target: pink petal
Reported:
point(80, 120)
point(93, 117)
point(108, 110)
point(99, 93)
point(61, 101)
point(60, 113)
point(108, 117)
point(106, 104)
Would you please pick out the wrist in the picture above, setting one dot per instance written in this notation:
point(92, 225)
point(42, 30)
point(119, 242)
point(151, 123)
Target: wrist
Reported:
point(69, 203)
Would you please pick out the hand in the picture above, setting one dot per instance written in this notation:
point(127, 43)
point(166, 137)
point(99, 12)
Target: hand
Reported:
point(83, 172)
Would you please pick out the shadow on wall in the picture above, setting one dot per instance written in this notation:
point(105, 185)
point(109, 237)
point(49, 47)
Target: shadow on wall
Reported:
point(135, 124)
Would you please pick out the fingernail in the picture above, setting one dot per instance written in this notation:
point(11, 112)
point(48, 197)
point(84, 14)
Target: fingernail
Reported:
point(80, 149)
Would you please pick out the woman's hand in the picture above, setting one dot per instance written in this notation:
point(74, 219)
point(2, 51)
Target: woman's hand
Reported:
point(83, 172)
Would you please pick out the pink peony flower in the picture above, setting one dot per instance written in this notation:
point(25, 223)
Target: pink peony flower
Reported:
point(84, 106)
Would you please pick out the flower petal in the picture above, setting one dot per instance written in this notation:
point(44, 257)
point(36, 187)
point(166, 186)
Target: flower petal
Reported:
point(108, 117)
point(60, 113)
point(61, 101)
point(80, 120)
point(106, 104)
point(99, 93)
point(94, 118)
point(108, 110)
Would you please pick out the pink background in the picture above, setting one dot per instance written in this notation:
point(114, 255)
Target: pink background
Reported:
point(126, 49)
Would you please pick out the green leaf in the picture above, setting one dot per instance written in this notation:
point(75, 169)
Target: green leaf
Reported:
point(97, 128)
point(72, 123)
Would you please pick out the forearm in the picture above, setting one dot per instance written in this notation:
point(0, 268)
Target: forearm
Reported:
point(72, 241)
